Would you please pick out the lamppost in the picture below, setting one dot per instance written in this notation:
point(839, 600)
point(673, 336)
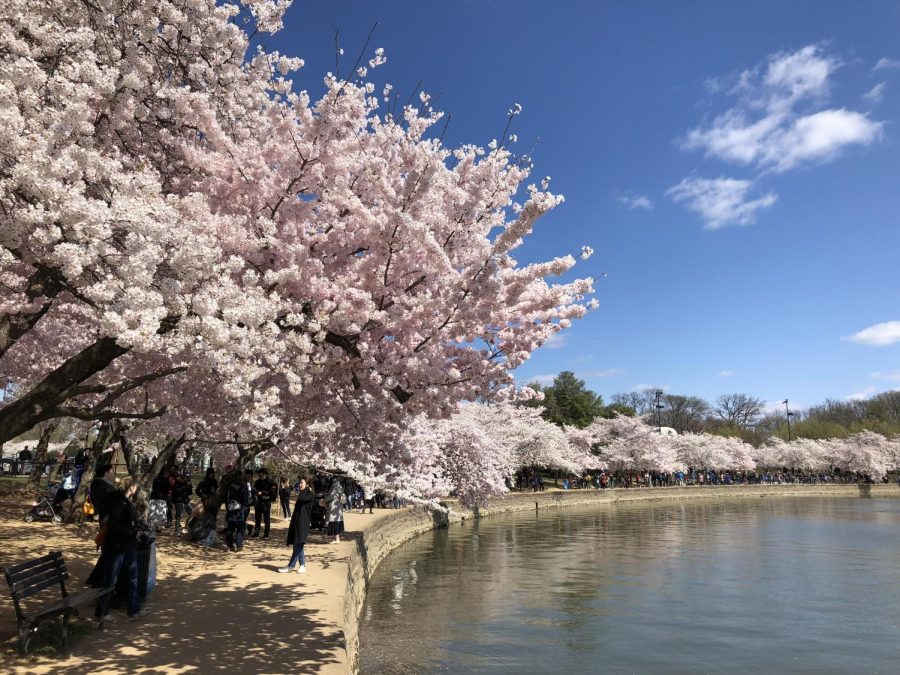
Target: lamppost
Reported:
point(659, 407)
point(788, 414)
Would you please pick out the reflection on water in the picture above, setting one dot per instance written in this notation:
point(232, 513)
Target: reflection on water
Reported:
point(800, 585)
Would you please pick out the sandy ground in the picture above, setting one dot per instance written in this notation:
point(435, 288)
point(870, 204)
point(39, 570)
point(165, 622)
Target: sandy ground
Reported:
point(211, 610)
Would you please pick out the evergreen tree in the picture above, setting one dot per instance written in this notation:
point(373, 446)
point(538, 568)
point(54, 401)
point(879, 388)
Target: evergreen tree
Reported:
point(568, 402)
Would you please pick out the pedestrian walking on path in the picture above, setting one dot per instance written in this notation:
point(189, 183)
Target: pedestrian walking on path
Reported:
point(335, 510)
point(298, 530)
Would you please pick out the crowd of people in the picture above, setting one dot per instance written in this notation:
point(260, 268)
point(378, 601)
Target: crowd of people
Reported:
point(531, 479)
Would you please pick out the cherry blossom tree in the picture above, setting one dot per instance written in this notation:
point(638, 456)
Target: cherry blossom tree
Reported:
point(174, 212)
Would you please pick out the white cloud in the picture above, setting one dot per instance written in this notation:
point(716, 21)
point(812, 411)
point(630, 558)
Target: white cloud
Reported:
point(767, 131)
point(819, 137)
point(862, 395)
point(544, 380)
point(632, 200)
point(651, 387)
point(885, 63)
point(726, 373)
point(556, 341)
point(777, 407)
point(894, 376)
point(876, 93)
point(720, 201)
point(609, 372)
point(879, 335)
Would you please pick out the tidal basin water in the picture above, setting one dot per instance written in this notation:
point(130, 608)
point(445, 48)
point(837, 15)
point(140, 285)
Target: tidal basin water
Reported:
point(773, 585)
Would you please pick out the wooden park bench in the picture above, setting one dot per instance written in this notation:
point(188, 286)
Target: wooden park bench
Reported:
point(28, 579)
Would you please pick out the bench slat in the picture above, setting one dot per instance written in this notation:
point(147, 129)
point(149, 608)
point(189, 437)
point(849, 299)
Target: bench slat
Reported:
point(52, 566)
point(24, 588)
point(13, 569)
point(37, 588)
point(70, 601)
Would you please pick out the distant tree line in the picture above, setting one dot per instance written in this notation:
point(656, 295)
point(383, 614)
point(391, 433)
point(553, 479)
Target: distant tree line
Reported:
point(569, 402)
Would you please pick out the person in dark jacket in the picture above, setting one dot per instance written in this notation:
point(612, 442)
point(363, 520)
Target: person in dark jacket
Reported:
point(207, 487)
point(266, 492)
point(120, 547)
point(284, 493)
point(298, 530)
point(181, 496)
point(101, 488)
point(237, 502)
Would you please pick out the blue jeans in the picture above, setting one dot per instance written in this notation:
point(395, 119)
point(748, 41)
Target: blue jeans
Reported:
point(297, 556)
point(119, 563)
point(234, 533)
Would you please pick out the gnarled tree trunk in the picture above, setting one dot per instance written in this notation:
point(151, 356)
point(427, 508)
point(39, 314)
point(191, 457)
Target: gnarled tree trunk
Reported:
point(41, 455)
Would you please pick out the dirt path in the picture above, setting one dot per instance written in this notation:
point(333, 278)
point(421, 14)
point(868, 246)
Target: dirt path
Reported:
point(211, 610)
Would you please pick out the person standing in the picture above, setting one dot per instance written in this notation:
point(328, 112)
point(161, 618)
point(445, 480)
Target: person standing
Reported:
point(181, 495)
point(66, 490)
point(120, 547)
point(284, 494)
point(266, 492)
point(207, 487)
point(237, 502)
point(298, 530)
point(101, 488)
point(335, 510)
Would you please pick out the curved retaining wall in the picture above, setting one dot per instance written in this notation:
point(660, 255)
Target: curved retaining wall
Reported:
point(388, 533)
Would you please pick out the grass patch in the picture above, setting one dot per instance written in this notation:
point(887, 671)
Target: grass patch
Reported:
point(46, 641)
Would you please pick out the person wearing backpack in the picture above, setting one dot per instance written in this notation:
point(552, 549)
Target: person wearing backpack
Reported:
point(237, 503)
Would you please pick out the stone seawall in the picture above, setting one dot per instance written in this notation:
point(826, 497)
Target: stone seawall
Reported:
point(375, 542)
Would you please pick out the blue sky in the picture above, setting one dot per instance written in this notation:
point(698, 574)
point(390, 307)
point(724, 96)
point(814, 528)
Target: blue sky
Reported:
point(734, 166)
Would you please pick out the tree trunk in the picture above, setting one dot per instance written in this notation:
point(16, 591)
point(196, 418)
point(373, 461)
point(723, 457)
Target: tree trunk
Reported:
point(41, 403)
point(145, 481)
point(107, 434)
point(41, 456)
point(46, 398)
point(43, 287)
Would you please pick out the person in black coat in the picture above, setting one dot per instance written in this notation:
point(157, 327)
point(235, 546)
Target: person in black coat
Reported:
point(298, 530)
point(207, 487)
point(237, 503)
point(120, 548)
point(284, 493)
point(181, 496)
point(266, 491)
point(101, 488)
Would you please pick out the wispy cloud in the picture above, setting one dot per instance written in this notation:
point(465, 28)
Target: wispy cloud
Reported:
point(876, 93)
point(765, 128)
point(544, 380)
point(894, 376)
point(885, 63)
point(651, 387)
point(721, 201)
point(609, 372)
point(879, 335)
point(863, 394)
point(778, 120)
point(556, 341)
point(726, 373)
point(632, 200)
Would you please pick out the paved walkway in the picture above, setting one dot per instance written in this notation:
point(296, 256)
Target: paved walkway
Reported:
point(211, 610)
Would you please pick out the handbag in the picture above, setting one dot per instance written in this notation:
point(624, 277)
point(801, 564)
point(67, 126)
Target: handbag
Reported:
point(101, 535)
point(156, 515)
point(88, 507)
point(234, 505)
